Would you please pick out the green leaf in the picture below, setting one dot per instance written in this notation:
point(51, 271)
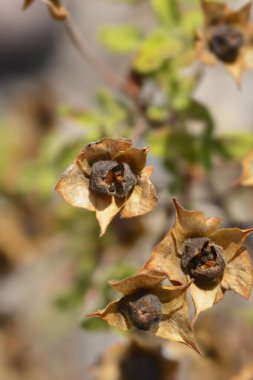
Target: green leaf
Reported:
point(238, 145)
point(191, 20)
point(94, 324)
point(167, 11)
point(120, 39)
point(157, 114)
point(157, 48)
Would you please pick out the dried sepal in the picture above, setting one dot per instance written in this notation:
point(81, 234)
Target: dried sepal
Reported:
point(56, 9)
point(109, 177)
point(225, 37)
point(213, 258)
point(27, 3)
point(246, 178)
point(148, 306)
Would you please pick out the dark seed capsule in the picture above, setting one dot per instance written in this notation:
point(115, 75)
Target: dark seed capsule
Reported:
point(226, 43)
point(111, 178)
point(196, 252)
point(142, 310)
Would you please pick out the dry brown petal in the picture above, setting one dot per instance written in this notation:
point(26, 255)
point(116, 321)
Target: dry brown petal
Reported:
point(238, 275)
point(142, 199)
point(27, 3)
point(113, 146)
point(112, 315)
point(236, 70)
point(203, 299)
point(73, 186)
point(242, 16)
point(231, 240)
point(213, 11)
point(247, 170)
point(144, 279)
point(106, 209)
point(192, 224)
point(165, 258)
point(134, 157)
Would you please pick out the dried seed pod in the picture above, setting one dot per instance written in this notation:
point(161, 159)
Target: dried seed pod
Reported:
point(143, 310)
point(214, 258)
point(226, 42)
point(226, 37)
point(148, 306)
point(109, 177)
point(202, 260)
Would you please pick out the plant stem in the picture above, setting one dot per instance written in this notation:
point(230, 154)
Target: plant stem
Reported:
point(102, 69)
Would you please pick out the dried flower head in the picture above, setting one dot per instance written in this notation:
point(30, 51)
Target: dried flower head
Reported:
point(56, 9)
point(136, 360)
point(225, 37)
point(109, 176)
point(213, 258)
point(247, 171)
point(148, 306)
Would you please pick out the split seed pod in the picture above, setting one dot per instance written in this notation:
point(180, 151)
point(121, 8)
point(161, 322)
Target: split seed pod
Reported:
point(148, 306)
point(225, 38)
point(109, 177)
point(213, 258)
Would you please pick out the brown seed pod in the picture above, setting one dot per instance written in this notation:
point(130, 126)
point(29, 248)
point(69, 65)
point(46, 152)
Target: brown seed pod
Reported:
point(111, 178)
point(226, 42)
point(203, 261)
point(214, 258)
point(226, 37)
point(143, 310)
point(148, 306)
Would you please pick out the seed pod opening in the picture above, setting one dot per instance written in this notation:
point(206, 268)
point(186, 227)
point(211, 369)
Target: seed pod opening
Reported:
point(142, 310)
point(226, 42)
point(111, 178)
point(202, 260)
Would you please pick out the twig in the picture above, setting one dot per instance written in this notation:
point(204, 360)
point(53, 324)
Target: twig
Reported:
point(103, 70)
point(107, 75)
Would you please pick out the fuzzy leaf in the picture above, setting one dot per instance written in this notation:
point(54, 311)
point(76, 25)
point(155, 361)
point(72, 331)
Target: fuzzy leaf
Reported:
point(120, 39)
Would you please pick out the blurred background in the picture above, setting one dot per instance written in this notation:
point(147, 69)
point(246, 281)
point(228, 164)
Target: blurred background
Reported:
point(53, 267)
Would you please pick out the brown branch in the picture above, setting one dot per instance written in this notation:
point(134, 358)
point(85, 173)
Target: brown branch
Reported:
point(107, 75)
point(102, 69)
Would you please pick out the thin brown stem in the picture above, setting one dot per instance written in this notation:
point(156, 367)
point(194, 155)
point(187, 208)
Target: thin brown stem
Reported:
point(107, 75)
point(101, 68)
